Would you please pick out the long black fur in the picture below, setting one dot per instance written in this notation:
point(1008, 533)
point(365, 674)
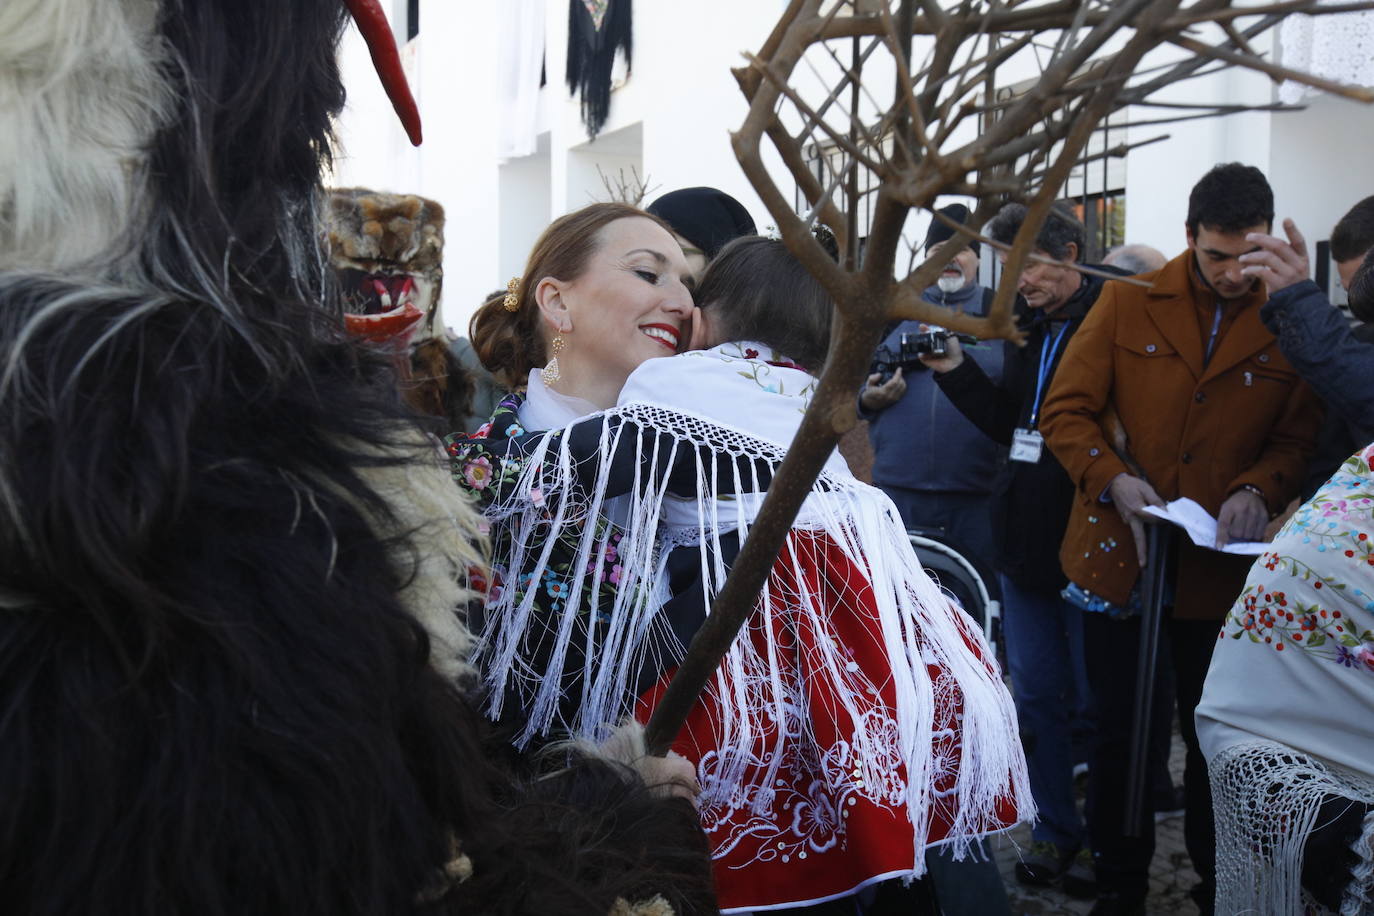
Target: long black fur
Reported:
point(212, 699)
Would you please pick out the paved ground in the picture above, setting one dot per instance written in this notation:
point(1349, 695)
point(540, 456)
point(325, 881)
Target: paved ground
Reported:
point(1171, 872)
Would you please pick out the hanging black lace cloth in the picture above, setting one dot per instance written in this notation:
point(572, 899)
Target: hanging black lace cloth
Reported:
point(596, 30)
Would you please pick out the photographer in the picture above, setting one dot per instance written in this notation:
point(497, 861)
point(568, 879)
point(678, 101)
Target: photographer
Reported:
point(1030, 508)
point(936, 465)
point(938, 469)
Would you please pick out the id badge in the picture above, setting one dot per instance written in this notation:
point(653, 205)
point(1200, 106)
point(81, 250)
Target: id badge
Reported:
point(1026, 445)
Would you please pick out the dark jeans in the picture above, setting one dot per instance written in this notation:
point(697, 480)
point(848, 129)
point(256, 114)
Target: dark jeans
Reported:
point(1113, 647)
point(969, 887)
point(1045, 658)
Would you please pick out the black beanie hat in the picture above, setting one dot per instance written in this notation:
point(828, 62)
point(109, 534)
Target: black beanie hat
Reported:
point(939, 232)
point(705, 217)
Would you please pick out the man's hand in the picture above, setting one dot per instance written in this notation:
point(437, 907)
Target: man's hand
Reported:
point(879, 395)
point(1242, 518)
point(1278, 263)
point(954, 355)
point(1131, 495)
point(1276, 523)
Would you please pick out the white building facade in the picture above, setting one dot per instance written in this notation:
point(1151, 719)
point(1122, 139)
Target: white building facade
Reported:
point(671, 115)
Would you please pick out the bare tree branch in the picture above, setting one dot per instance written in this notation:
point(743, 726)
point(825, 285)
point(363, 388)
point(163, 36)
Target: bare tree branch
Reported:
point(1278, 71)
point(1028, 144)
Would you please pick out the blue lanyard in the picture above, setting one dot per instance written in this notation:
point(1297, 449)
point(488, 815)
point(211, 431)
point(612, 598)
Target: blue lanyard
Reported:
point(1047, 354)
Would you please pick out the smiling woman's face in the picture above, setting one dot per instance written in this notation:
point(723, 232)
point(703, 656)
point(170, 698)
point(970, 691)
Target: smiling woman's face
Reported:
point(629, 304)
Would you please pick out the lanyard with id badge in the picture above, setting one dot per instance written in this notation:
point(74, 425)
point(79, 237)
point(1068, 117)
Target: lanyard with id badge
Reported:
point(1026, 443)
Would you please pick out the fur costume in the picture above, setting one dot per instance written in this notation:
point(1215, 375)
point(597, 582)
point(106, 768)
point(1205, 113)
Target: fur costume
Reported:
point(388, 252)
point(230, 655)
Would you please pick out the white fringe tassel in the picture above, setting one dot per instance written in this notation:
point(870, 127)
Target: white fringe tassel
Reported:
point(917, 622)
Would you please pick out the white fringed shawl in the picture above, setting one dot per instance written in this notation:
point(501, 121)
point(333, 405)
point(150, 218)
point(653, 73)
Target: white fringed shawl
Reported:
point(707, 409)
point(1287, 713)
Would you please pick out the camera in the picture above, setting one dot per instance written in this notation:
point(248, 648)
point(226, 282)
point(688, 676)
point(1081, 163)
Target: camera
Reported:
point(930, 343)
point(911, 346)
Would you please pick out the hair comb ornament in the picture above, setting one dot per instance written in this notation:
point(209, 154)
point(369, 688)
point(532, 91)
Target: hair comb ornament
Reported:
point(512, 301)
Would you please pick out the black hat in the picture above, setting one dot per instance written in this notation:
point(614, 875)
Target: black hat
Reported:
point(705, 217)
point(939, 231)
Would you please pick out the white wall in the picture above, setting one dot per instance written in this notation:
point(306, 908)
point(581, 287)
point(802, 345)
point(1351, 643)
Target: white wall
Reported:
point(670, 119)
point(1320, 163)
point(672, 116)
point(614, 156)
point(457, 164)
point(1160, 176)
point(526, 198)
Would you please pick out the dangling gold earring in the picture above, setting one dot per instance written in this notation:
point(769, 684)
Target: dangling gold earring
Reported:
point(550, 373)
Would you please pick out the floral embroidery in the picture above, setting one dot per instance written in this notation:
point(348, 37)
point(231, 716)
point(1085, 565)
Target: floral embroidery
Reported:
point(759, 363)
point(788, 364)
point(1319, 609)
point(486, 466)
point(477, 473)
point(597, 10)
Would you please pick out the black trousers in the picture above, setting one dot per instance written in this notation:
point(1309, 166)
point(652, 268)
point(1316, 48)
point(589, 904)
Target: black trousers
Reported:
point(1113, 649)
point(889, 898)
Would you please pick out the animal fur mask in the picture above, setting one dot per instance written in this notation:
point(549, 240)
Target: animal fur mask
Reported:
point(388, 252)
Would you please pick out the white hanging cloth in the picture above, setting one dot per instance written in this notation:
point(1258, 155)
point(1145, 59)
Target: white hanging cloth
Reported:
point(521, 57)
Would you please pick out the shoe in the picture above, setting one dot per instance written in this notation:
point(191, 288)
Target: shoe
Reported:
point(1077, 879)
point(1116, 903)
point(1048, 865)
point(1041, 868)
point(1170, 804)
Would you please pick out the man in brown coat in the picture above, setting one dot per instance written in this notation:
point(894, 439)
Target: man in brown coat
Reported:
point(1210, 410)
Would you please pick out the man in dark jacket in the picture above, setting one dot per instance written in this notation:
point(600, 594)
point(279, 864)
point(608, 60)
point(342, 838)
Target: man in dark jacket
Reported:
point(1336, 359)
point(937, 466)
point(1030, 508)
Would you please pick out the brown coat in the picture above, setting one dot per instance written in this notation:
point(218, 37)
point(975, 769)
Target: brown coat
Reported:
point(1198, 432)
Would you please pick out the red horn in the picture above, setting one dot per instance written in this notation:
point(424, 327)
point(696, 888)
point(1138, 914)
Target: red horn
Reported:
point(380, 43)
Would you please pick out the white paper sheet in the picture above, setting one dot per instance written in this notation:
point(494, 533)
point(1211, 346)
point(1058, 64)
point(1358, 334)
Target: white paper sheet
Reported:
point(1202, 528)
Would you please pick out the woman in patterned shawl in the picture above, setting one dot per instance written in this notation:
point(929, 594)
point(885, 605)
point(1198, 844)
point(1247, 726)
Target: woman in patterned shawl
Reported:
point(1285, 717)
point(604, 289)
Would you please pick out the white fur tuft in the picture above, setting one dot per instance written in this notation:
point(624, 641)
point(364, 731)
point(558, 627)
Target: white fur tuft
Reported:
point(442, 527)
point(81, 96)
